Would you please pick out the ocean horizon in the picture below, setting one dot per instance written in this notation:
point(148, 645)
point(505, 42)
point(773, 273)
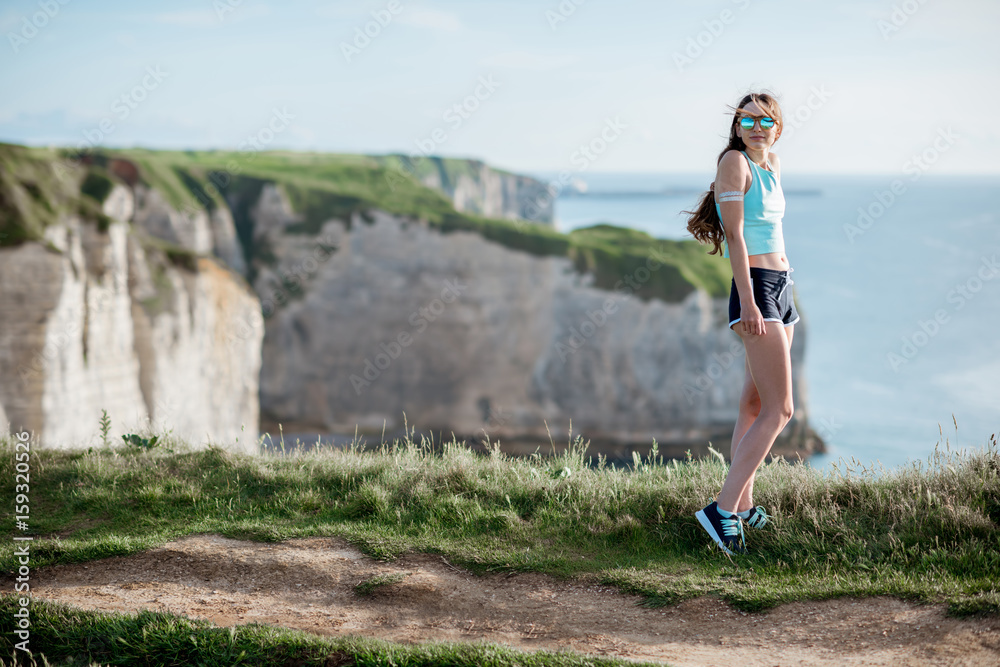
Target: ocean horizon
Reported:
point(899, 290)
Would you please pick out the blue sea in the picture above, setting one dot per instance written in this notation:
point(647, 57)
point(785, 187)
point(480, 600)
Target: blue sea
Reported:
point(899, 291)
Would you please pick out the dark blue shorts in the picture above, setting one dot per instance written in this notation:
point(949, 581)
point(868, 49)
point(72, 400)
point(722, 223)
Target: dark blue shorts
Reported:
point(771, 295)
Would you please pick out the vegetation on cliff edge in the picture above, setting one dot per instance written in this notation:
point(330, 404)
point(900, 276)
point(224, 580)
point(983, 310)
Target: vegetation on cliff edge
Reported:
point(39, 183)
point(63, 636)
point(929, 531)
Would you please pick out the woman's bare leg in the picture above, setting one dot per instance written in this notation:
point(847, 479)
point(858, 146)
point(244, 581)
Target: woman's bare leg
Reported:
point(749, 409)
point(770, 368)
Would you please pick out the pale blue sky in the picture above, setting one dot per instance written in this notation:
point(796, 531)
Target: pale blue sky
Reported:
point(890, 95)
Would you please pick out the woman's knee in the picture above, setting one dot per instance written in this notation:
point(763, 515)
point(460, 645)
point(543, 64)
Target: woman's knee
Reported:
point(788, 411)
point(781, 413)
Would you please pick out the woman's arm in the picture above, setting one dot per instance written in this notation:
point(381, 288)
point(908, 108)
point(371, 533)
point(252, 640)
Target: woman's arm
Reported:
point(732, 176)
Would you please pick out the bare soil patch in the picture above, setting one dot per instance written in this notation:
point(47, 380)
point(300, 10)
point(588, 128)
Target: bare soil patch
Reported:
point(308, 584)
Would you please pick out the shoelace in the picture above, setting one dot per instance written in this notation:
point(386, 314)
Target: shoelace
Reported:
point(758, 517)
point(731, 526)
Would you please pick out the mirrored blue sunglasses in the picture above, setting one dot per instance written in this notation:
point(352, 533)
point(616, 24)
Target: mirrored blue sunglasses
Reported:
point(747, 122)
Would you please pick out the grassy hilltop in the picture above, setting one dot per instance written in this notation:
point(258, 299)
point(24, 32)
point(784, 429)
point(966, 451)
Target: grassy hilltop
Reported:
point(37, 185)
point(928, 532)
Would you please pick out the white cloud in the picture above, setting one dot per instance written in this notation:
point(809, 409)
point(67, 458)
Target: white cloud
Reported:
point(527, 60)
point(434, 19)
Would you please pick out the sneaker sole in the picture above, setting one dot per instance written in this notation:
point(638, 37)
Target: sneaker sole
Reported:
point(710, 529)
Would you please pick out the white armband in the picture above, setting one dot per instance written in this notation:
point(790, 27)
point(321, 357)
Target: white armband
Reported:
point(732, 195)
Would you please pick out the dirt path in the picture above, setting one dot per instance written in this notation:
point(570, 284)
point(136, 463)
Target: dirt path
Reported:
point(308, 584)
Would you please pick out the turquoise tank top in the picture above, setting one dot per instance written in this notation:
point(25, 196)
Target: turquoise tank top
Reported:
point(763, 208)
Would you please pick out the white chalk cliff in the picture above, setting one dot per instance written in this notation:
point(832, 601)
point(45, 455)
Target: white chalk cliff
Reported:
point(353, 319)
point(475, 187)
point(368, 320)
point(99, 321)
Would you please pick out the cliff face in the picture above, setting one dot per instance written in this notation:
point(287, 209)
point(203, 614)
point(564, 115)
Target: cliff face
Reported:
point(94, 320)
point(358, 312)
point(465, 335)
point(475, 187)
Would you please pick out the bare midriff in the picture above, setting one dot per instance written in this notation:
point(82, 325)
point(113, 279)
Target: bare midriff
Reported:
point(769, 260)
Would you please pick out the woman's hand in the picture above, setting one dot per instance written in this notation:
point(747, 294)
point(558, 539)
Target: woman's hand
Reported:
point(751, 318)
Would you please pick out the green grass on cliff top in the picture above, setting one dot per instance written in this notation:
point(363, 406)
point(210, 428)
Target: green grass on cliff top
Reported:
point(929, 532)
point(64, 636)
point(38, 184)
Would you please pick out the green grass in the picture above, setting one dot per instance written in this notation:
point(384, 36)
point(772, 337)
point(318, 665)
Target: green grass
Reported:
point(34, 191)
point(928, 532)
point(448, 170)
point(61, 635)
point(37, 184)
point(321, 186)
point(371, 584)
point(97, 185)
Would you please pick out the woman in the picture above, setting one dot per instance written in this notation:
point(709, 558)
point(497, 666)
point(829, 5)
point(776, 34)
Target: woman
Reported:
point(742, 211)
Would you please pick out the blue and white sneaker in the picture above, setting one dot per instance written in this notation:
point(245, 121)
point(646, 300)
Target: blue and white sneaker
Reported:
point(758, 517)
point(727, 532)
